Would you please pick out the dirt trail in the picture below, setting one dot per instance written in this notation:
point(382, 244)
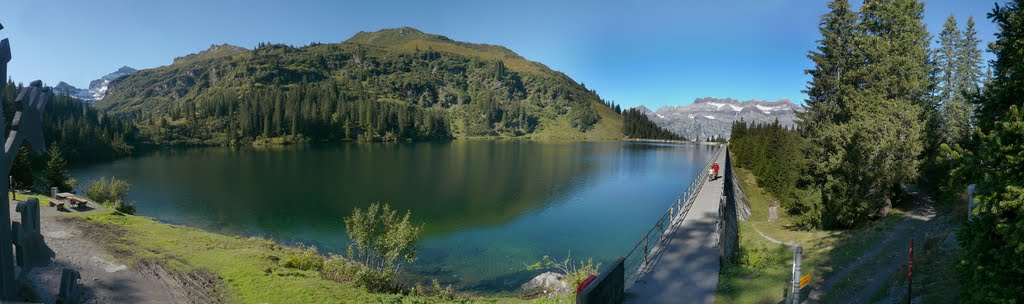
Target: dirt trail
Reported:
point(104, 278)
point(881, 262)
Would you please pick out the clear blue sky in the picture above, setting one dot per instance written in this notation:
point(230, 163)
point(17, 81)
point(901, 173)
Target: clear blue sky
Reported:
point(633, 52)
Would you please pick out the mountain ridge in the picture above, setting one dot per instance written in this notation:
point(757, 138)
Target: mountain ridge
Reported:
point(475, 89)
point(97, 88)
point(710, 117)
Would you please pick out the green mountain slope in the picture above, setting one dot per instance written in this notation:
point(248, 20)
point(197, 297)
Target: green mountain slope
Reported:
point(391, 84)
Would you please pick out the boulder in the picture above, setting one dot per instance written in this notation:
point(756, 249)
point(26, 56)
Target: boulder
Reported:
point(546, 283)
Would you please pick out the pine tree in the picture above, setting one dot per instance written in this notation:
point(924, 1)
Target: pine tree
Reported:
point(56, 173)
point(869, 89)
point(990, 265)
point(831, 82)
point(969, 60)
point(947, 60)
point(21, 169)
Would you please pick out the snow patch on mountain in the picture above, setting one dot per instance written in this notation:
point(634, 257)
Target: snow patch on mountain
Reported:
point(97, 88)
point(713, 117)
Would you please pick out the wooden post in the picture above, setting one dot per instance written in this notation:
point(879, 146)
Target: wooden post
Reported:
point(797, 257)
point(910, 273)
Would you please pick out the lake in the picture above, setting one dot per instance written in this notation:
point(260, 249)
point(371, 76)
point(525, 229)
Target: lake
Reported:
point(487, 207)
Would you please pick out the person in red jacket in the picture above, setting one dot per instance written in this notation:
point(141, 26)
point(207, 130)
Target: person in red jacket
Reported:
point(714, 168)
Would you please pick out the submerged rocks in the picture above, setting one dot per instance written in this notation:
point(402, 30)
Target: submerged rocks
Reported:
point(548, 283)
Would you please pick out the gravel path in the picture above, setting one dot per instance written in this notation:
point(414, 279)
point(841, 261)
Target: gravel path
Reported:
point(105, 278)
point(879, 263)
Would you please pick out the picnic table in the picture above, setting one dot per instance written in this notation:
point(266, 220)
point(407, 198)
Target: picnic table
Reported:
point(66, 198)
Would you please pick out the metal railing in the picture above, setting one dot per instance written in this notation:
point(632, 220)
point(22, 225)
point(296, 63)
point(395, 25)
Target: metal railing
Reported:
point(637, 260)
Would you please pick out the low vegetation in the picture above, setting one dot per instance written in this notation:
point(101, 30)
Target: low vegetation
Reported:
point(247, 270)
point(574, 271)
point(111, 193)
point(381, 242)
point(763, 271)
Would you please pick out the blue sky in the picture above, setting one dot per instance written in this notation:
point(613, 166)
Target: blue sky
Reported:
point(636, 52)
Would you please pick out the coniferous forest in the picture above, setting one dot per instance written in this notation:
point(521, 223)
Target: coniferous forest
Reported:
point(83, 133)
point(774, 154)
point(636, 124)
point(886, 109)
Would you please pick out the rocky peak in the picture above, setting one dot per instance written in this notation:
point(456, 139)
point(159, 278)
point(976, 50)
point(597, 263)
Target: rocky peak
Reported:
point(214, 51)
point(713, 117)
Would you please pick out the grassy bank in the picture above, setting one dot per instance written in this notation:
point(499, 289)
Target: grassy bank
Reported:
point(229, 269)
point(762, 275)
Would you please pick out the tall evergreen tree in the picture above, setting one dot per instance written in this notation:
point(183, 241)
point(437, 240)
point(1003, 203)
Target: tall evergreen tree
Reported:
point(959, 68)
point(993, 242)
point(970, 61)
point(885, 132)
point(832, 80)
point(21, 169)
point(866, 127)
point(947, 60)
point(56, 173)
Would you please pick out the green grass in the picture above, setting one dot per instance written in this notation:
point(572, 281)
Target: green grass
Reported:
point(608, 128)
point(246, 270)
point(763, 272)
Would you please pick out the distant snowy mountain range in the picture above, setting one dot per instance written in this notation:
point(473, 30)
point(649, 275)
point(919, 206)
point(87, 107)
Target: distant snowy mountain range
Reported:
point(97, 88)
point(712, 117)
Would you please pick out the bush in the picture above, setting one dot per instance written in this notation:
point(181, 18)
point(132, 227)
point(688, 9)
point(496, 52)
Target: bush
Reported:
point(108, 193)
point(111, 194)
point(575, 273)
point(304, 258)
point(437, 293)
point(124, 207)
point(760, 257)
point(380, 242)
point(338, 269)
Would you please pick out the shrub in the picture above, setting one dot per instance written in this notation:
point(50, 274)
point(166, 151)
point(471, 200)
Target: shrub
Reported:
point(124, 207)
point(304, 258)
point(759, 257)
point(381, 242)
point(575, 273)
point(111, 194)
point(339, 269)
point(108, 193)
point(437, 293)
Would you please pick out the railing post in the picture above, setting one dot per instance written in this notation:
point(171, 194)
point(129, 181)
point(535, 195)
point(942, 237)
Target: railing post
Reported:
point(645, 250)
point(661, 228)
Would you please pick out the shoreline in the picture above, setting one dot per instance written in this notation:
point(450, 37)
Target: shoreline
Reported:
point(185, 264)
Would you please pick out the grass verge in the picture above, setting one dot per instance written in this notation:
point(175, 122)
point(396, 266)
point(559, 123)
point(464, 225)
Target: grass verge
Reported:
point(228, 269)
point(763, 271)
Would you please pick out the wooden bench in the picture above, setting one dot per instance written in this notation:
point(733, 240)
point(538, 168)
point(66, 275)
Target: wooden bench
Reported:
point(78, 201)
point(75, 200)
point(55, 202)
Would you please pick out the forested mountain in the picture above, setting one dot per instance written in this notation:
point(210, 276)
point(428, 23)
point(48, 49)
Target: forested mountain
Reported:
point(83, 133)
point(387, 85)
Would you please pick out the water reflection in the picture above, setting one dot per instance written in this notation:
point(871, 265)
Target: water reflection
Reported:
point(487, 206)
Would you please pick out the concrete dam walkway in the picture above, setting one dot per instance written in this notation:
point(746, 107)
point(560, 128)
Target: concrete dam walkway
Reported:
point(684, 266)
